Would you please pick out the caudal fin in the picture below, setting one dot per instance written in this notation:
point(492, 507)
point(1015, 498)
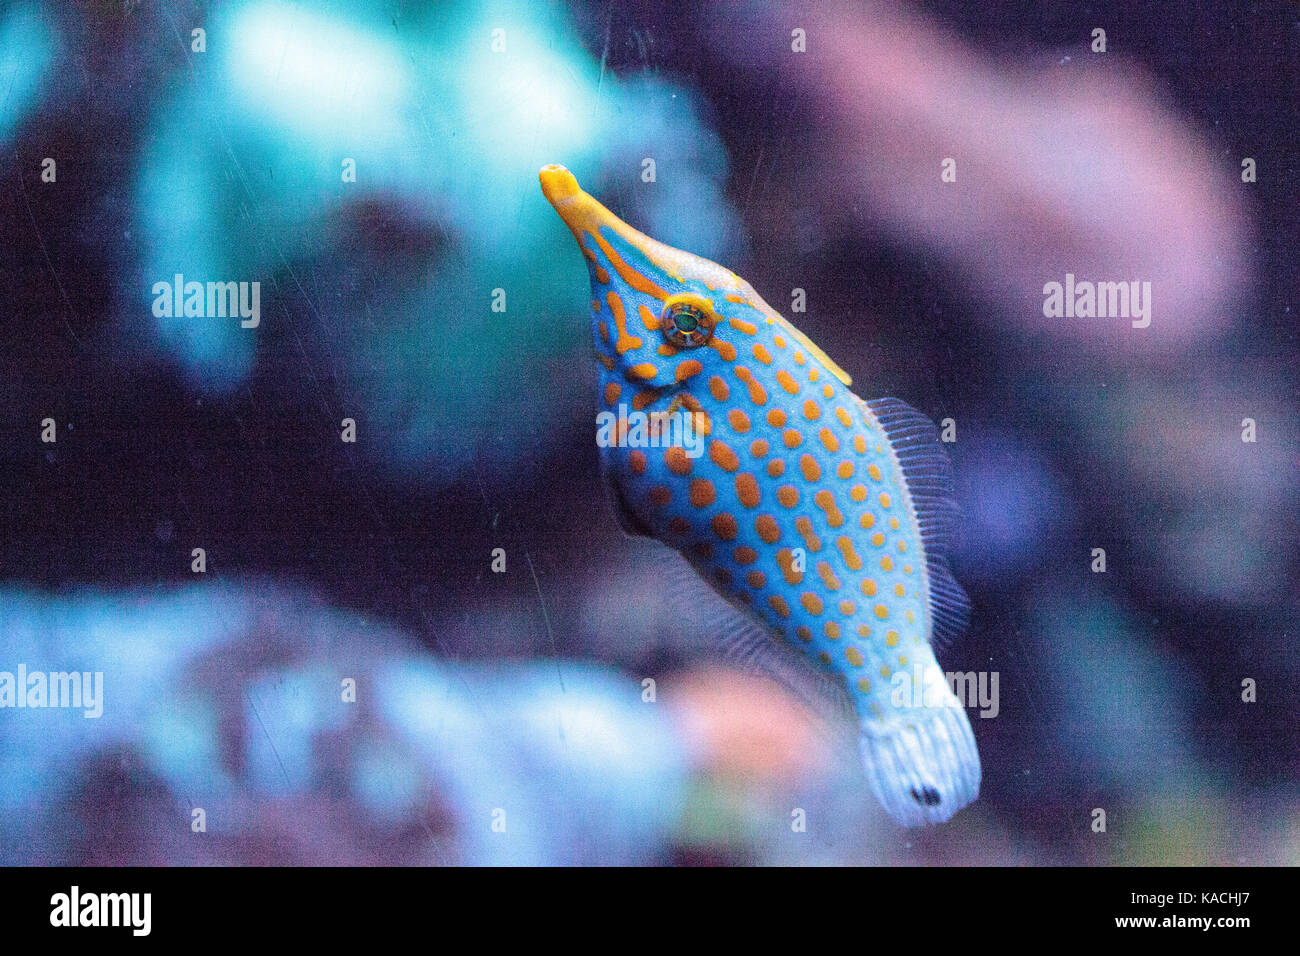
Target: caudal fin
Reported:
point(923, 765)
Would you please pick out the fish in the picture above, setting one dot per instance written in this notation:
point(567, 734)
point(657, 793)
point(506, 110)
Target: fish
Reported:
point(825, 519)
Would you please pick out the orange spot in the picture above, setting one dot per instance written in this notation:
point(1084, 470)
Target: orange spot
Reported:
point(702, 492)
point(757, 394)
point(868, 587)
point(595, 305)
point(612, 391)
point(722, 456)
point(740, 325)
point(886, 563)
point(798, 358)
point(813, 374)
point(758, 448)
point(785, 561)
point(666, 350)
point(844, 470)
point(852, 559)
point(738, 420)
point(723, 348)
point(846, 420)
point(859, 444)
point(828, 576)
point(787, 382)
point(776, 467)
point(776, 418)
point(829, 440)
point(648, 318)
point(854, 656)
point(885, 500)
point(645, 398)
point(756, 579)
point(809, 467)
point(826, 501)
point(804, 633)
point(679, 526)
point(719, 389)
point(725, 527)
point(874, 472)
point(699, 418)
point(780, 342)
point(761, 354)
point(878, 539)
point(688, 368)
point(804, 526)
point(788, 495)
point(606, 361)
point(779, 605)
point(833, 630)
point(636, 461)
point(767, 529)
point(858, 492)
point(867, 520)
point(644, 370)
point(882, 612)
point(891, 639)
point(677, 461)
point(745, 555)
point(811, 602)
point(603, 329)
point(811, 410)
point(660, 495)
point(747, 489)
point(732, 297)
point(848, 608)
point(792, 438)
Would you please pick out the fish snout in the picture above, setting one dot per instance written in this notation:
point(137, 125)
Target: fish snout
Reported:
point(558, 183)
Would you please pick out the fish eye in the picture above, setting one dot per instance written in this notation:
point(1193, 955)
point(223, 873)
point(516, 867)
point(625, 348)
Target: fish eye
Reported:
point(686, 321)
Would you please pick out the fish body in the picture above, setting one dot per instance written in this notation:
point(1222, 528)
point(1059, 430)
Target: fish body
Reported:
point(732, 438)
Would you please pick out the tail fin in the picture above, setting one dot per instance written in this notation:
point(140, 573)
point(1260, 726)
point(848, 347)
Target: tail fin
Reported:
point(922, 763)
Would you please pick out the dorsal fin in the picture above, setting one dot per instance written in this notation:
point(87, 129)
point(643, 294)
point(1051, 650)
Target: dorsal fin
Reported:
point(928, 475)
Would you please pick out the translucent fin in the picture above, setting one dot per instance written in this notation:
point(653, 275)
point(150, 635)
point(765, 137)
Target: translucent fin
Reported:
point(752, 647)
point(627, 519)
point(922, 770)
point(747, 644)
point(928, 475)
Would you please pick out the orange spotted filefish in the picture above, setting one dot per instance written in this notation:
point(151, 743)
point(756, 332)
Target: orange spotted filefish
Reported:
point(821, 516)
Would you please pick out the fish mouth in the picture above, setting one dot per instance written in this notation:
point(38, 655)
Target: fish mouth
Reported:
point(558, 183)
point(579, 210)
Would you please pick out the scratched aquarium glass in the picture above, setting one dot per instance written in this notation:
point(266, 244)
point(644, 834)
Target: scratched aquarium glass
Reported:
point(500, 433)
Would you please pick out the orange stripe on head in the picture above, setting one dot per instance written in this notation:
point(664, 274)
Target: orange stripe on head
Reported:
point(629, 275)
point(625, 341)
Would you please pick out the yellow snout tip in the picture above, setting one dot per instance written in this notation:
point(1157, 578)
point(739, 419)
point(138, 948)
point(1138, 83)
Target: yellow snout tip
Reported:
point(558, 183)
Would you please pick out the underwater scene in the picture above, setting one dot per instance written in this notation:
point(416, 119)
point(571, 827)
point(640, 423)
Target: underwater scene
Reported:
point(493, 432)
